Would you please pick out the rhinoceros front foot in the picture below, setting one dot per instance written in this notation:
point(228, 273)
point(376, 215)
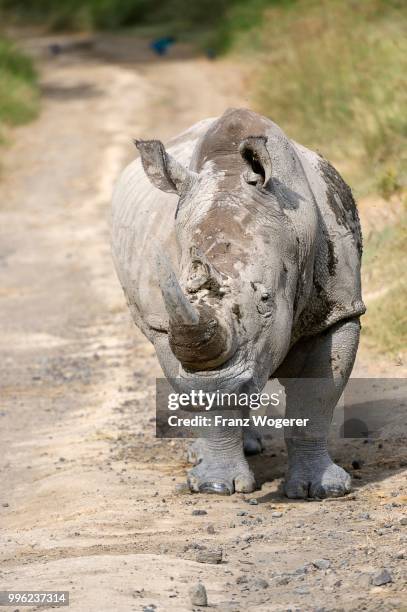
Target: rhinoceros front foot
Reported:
point(221, 466)
point(312, 473)
point(210, 476)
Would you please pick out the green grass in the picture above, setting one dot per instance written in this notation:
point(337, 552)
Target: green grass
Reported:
point(385, 323)
point(19, 99)
point(384, 265)
point(376, 249)
point(332, 74)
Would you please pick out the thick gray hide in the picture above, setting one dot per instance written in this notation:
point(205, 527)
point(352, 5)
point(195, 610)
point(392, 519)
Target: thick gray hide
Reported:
point(264, 240)
point(305, 185)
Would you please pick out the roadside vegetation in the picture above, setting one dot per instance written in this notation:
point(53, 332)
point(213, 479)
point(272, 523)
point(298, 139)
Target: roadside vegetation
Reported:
point(19, 99)
point(384, 266)
point(332, 73)
point(174, 15)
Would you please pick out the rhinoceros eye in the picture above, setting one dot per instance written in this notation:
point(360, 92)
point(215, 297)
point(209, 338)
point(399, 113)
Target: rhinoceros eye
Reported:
point(265, 308)
point(265, 301)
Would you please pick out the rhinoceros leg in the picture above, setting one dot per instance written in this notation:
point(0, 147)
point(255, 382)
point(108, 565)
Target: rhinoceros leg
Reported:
point(252, 445)
point(252, 442)
point(222, 466)
point(330, 357)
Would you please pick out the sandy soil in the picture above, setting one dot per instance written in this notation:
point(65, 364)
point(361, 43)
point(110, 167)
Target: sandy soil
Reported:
point(88, 499)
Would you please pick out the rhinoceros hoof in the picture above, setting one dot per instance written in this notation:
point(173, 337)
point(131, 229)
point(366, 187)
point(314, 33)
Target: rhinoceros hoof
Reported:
point(211, 477)
point(329, 481)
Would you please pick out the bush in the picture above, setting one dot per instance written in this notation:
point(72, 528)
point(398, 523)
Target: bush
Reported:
point(19, 98)
point(108, 14)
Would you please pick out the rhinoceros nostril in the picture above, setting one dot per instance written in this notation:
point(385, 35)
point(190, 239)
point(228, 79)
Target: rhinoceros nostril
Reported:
point(197, 279)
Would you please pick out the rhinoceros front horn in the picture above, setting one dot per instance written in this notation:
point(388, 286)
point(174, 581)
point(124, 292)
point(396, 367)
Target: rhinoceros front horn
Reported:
point(178, 307)
point(196, 336)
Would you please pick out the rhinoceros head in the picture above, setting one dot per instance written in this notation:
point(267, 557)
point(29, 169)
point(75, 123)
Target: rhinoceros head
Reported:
point(231, 308)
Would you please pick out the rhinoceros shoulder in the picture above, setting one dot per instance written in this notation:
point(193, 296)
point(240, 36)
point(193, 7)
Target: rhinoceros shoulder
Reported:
point(336, 286)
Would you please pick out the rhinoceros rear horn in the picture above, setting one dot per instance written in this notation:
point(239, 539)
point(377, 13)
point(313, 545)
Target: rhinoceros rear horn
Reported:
point(257, 158)
point(163, 171)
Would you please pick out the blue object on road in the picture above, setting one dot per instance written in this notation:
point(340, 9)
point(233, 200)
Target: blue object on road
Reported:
point(161, 45)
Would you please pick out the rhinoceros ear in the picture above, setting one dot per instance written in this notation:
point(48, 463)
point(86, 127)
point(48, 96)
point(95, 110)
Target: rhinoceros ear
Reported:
point(162, 169)
point(257, 158)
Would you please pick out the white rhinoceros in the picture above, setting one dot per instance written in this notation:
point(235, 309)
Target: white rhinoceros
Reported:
point(260, 280)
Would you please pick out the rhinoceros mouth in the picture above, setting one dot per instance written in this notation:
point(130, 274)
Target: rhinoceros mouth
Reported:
point(205, 346)
point(234, 375)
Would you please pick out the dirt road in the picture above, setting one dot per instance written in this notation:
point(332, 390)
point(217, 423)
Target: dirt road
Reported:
point(88, 499)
